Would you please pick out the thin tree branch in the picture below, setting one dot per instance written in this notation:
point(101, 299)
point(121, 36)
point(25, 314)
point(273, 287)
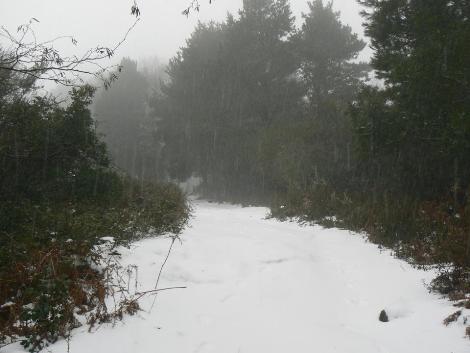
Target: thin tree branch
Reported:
point(42, 61)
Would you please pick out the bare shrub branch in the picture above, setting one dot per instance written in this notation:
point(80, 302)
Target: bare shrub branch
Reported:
point(23, 54)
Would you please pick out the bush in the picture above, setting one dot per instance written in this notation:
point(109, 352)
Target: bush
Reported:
point(423, 232)
point(48, 266)
point(59, 196)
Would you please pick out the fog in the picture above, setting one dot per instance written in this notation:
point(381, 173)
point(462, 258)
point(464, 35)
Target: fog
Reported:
point(161, 30)
point(118, 126)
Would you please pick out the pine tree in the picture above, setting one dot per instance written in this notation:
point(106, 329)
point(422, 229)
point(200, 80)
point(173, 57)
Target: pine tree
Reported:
point(422, 51)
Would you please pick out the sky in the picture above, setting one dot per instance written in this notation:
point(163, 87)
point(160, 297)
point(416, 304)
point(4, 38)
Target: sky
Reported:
point(160, 32)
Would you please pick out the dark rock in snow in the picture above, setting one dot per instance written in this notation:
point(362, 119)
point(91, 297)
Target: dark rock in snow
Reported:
point(383, 316)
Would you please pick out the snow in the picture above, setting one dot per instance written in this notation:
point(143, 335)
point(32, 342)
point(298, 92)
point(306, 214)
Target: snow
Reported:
point(257, 285)
point(6, 305)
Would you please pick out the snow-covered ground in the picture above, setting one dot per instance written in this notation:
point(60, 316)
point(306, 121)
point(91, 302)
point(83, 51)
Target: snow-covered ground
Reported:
point(262, 286)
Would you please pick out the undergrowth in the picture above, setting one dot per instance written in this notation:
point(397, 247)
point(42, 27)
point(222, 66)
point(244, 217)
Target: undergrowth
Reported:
point(57, 267)
point(61, 199)
point(427, 233)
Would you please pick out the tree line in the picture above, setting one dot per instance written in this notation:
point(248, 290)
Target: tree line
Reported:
point(60, 197)
point(267, 112)
point(244, 97)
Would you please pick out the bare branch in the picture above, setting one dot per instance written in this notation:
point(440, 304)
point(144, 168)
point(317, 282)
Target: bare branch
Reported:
point(154, 291)
point(193, 6)
point(173, 239)
point(41, 61)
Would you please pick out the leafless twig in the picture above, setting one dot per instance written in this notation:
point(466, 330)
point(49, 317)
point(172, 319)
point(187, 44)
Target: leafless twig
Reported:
point(173, 239)
point(23, 54)
point(154, 291)
point(193, 6)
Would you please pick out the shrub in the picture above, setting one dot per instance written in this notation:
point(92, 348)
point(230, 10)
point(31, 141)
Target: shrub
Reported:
point(423, 232)
point(59, 196)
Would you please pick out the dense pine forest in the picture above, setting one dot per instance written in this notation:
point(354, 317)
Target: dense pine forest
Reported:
point(267, 112)
point(264, 111)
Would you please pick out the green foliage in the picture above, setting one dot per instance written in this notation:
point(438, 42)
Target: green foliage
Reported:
point(50, 153)
point(59, 196)
point(422, 51)
point(45, 263)
point(326, 47)
point(264, 111)
point(241, 108)
point(48, 313)
point(412, 136)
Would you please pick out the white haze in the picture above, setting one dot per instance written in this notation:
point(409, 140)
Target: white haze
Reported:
point(160, 32)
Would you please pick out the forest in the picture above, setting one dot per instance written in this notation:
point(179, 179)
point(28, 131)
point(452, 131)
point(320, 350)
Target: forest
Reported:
point(269, 113)
point(264, 112)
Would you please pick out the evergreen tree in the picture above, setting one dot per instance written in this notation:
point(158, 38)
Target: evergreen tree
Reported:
point(421, 50)
point(234, 80)
point(318, 149)
point(327, 49)
point(122, 113)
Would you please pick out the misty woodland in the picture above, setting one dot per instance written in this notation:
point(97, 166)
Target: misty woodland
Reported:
point(286, 194)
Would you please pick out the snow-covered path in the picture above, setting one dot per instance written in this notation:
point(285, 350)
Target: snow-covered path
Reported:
point(262, 286)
